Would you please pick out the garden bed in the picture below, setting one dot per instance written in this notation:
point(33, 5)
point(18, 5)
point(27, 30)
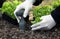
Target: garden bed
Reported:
point(11, 31)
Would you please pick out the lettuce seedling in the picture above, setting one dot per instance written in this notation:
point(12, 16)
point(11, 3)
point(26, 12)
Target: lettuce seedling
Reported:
point(41, 11)
point(9, 7)
point(56, 3)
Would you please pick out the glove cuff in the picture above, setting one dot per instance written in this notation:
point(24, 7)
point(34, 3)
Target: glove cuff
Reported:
point(52, 19)
point(56, 15)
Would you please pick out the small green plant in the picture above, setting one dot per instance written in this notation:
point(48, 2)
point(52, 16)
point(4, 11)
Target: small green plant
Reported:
point(38, 11)
point(44, 10)
point(9, 7)
point(56, 3)
point(41, 11)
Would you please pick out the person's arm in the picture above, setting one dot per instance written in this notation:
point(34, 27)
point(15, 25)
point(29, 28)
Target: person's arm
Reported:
point(56, 15)
point(48, 21)
point(1, 2)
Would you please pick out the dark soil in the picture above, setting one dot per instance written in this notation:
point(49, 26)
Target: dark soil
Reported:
point(11, 31)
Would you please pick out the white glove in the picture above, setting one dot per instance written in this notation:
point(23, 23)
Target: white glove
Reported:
point(27, 5)
point(46, 24)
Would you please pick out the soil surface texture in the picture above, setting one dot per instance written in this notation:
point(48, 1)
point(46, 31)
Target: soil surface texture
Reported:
point(11, 31)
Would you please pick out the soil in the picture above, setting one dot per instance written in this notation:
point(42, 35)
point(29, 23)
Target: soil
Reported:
point(11, 31)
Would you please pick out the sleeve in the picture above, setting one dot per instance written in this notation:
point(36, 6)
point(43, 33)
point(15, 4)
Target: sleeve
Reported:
point(37, 2)
point(1, 2)
point(56, 15)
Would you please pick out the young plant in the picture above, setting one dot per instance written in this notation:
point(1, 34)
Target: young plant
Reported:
point(56, 3)
point(41, 11)
point(9, 7)
point(44, 10)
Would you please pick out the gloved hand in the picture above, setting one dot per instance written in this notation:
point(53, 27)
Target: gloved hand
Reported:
point(27, 5)
point(46, 24)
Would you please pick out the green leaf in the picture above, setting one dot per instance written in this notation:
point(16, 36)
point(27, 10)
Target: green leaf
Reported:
point(9, 7)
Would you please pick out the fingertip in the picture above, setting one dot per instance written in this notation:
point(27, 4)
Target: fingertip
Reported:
point(24, 16)
point(41, 17)
point(33, 26)
point(32, 29)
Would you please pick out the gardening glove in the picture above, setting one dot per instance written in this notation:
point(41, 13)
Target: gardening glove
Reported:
point(46, 24)
point(27, 5)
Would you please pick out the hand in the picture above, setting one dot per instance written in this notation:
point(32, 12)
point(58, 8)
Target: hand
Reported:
point(27, 5)
point(46, 24)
